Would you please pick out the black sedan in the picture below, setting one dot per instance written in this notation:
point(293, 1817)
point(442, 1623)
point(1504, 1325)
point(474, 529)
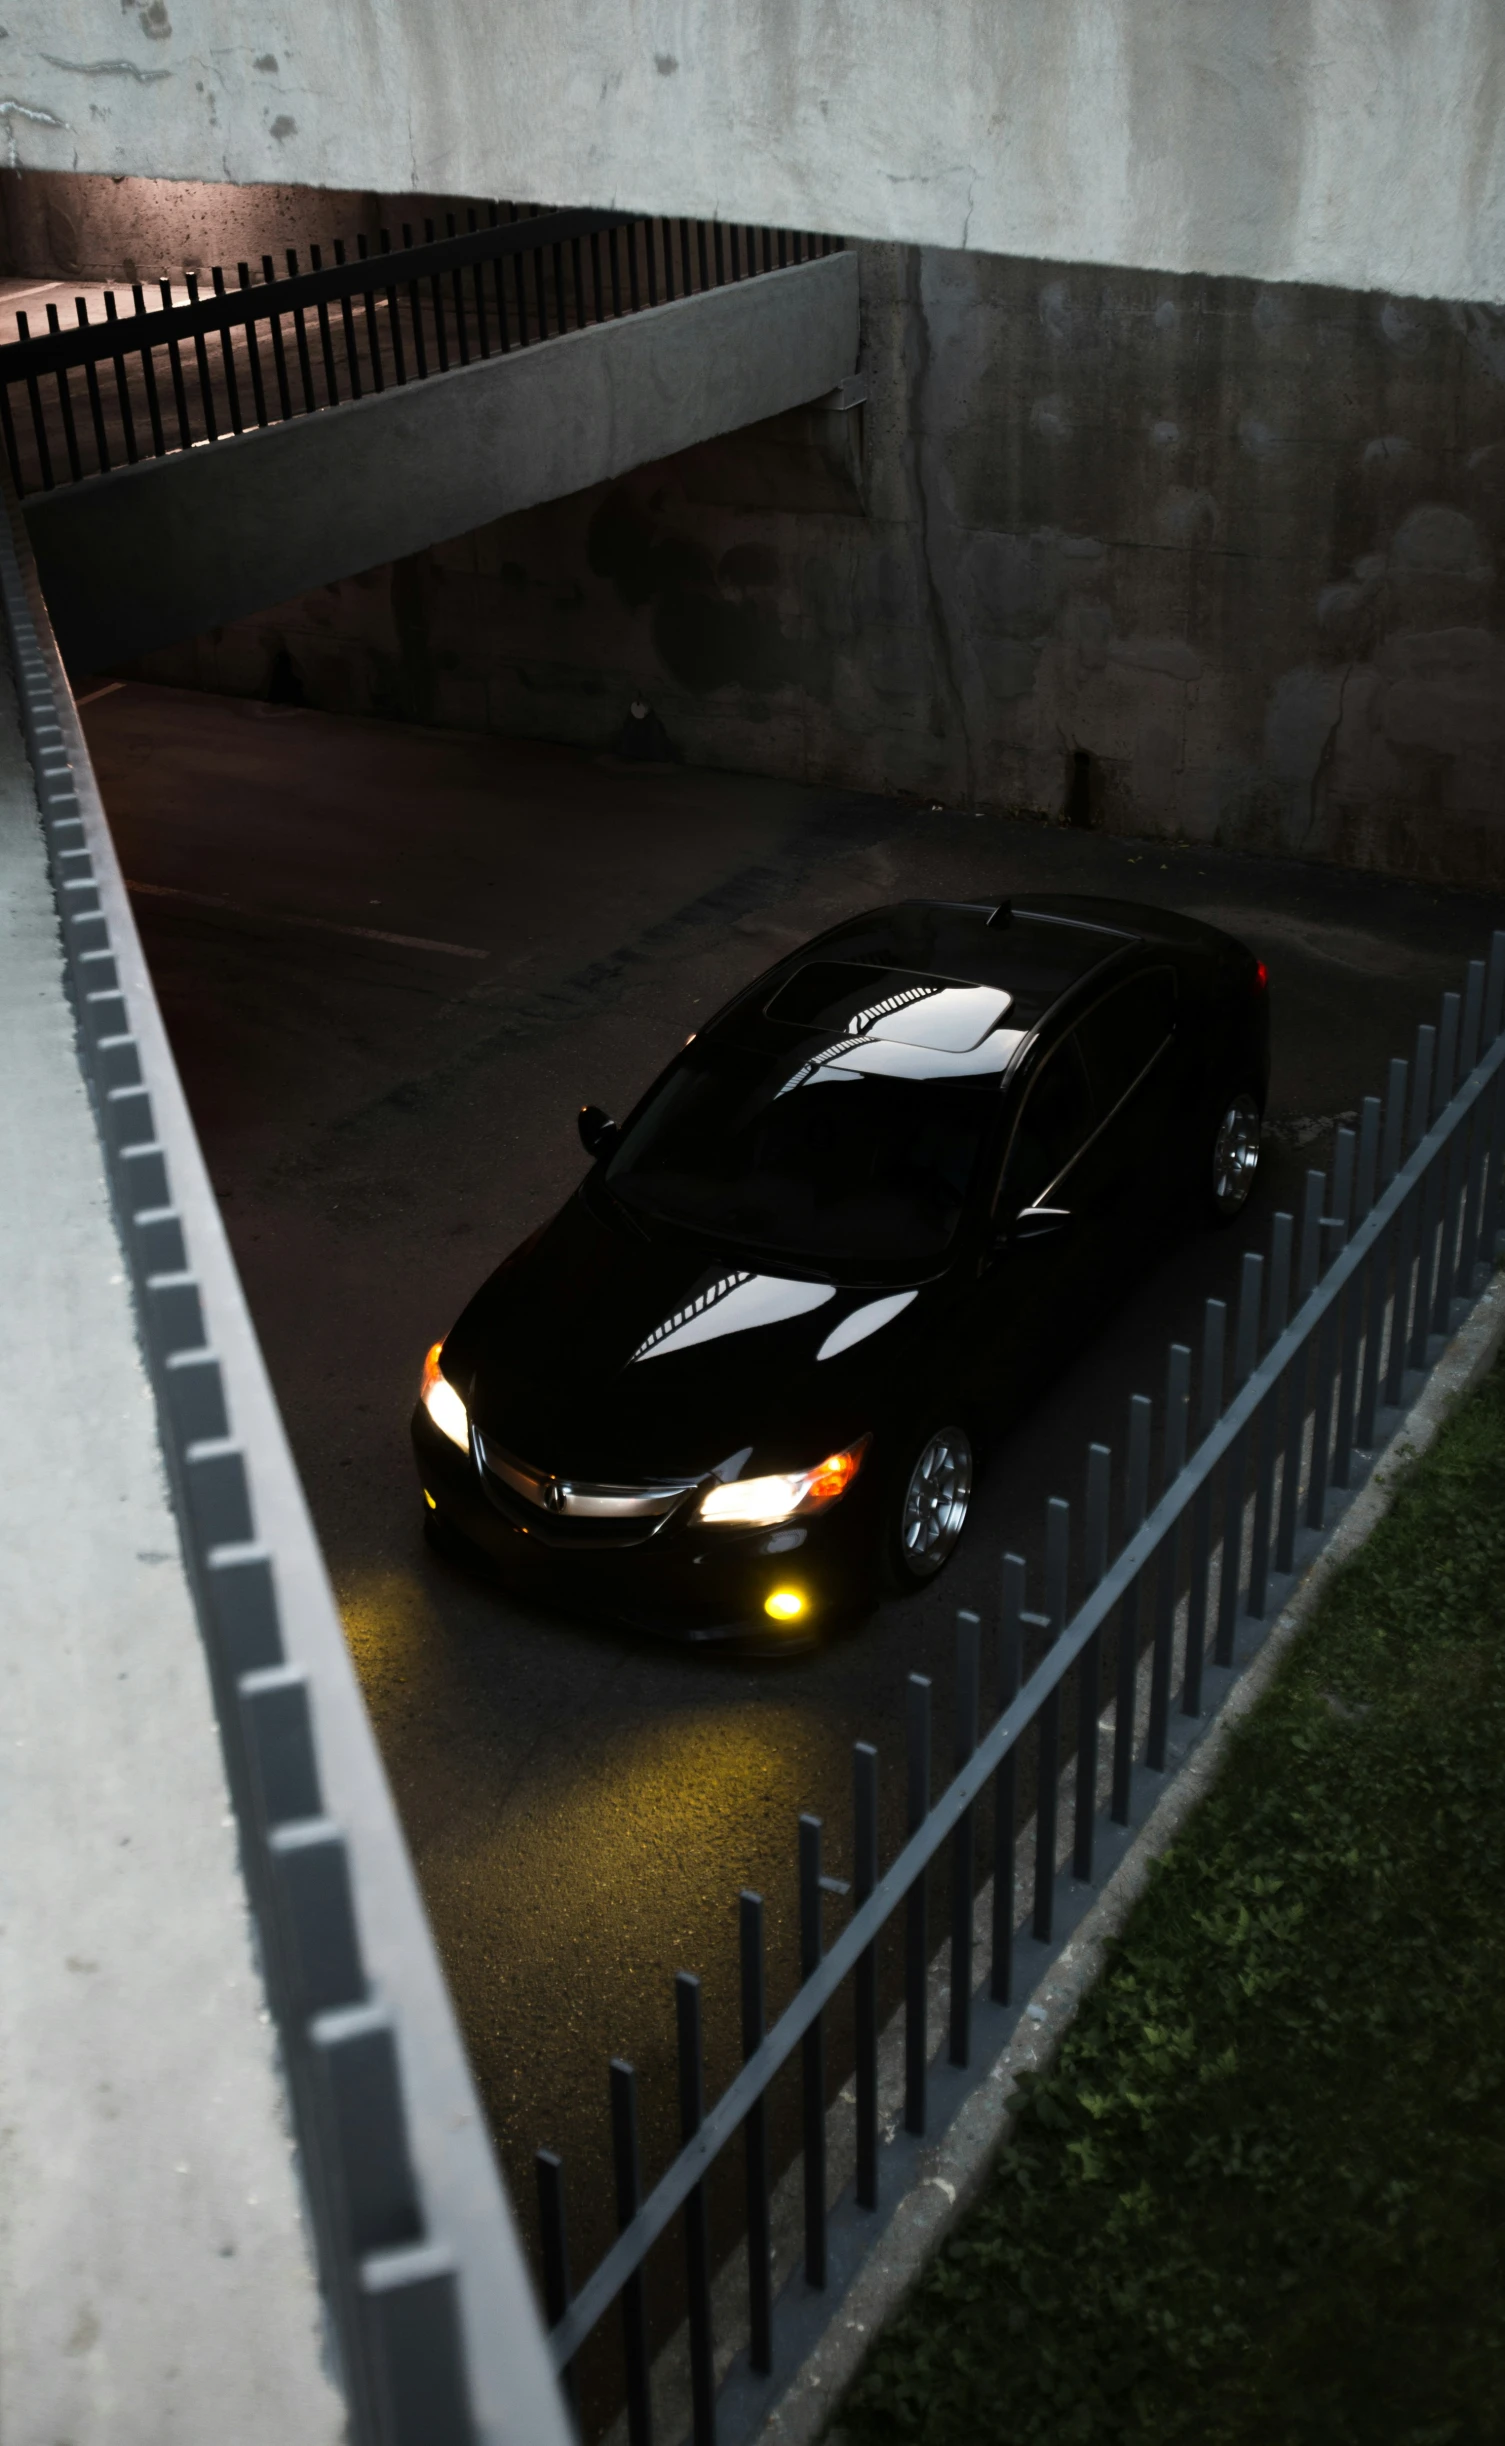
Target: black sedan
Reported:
point(741, 1380)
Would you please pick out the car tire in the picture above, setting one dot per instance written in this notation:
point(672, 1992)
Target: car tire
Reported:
point(929, 1498)
point(1230, 1166)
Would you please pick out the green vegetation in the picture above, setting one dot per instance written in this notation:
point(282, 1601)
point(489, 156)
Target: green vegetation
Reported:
point(1261, 2197)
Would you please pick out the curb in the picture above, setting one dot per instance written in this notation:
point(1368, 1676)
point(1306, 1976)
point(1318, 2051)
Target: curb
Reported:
point(954, 2172)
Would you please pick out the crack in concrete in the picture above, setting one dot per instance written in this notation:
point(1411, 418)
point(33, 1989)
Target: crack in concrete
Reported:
point(940, 624)
point(1325, 759)
point(107, 67)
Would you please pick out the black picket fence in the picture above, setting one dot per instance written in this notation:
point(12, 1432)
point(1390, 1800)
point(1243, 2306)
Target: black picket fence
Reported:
point(183, 371)
point(1331, 1330)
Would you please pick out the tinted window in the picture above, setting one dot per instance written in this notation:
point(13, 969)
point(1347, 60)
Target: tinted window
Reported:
point(1057, 1117)
point(820, 1164)
point(1126, 1031)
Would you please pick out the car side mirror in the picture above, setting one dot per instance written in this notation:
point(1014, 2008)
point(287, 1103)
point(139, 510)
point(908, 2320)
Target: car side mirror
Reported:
point(1039, 1222)
point(598, 1131)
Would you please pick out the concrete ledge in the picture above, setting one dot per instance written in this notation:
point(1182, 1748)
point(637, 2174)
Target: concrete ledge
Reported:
point(158, 552)
point(952, 2173)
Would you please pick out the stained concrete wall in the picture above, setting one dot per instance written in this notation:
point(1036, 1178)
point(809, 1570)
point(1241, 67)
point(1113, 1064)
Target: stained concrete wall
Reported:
point(1352, 141)
point(1186, 557)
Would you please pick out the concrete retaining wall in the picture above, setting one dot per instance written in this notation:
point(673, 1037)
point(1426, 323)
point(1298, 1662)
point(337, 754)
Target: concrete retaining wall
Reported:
point(1193, 558)
point(160, 551)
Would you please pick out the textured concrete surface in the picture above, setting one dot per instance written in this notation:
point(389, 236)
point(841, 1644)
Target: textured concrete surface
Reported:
point(156, 2286)
point(163, 549)
point(393, 963)
point(1355, 141)
point(1187, 557)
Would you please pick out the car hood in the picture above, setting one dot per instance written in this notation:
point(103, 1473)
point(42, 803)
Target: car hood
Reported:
point(598, 1352)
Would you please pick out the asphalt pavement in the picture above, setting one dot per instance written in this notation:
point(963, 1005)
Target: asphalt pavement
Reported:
point(394, 962)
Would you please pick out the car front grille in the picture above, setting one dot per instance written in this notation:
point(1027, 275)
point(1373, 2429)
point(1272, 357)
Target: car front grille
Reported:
point(574, 1511)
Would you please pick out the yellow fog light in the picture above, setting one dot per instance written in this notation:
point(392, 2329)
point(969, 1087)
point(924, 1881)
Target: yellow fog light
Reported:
point(785, 1605)
point(429, 1500)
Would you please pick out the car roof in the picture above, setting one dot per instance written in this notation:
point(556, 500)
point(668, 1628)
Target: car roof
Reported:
point(1035, 949)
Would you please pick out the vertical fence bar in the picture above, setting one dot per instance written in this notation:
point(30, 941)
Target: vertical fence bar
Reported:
point(1276, 1315)
point(1430, 1254)
point(865, 1972)
point(65, 402)
point(1386, 1259)
point(1048, 1721)
point(624, 2149)
point(968, 1659)
point(755, 2138)
point(227, 355)
point(1214, 1337)
point(1245, 1358)
point(1413, 1222)
point(1489, 1206)
point(38, 414)
point(91, 384)
point(1354, 1298)
point(253, 350)
point(175, 368)
point(813, 2058)
point(1006, 1781)
point(373, 329)
point(1334, 1234)
point(326, 341)
point(1325, 1374)
point(148, 373)
point(1310, 1260)
point(697, 2232)
point(1468, 1224)
point(1177, 1408)
point(415, 311)
point(347, 327)
point(916, 1964)
point(556, 2259)
point(394, 315)
point(300, 340)
point(1089, 1666)
point(1452, 1199)
point(8, 429)
point(279, 353)
point(1136, 1505)
point(201, 364)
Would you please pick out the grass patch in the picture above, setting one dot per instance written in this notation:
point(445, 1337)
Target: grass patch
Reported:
point(1261, 2196)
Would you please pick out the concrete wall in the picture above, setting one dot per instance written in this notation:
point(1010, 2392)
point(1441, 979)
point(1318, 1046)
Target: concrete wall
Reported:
point(58, 224)
point(1186, 557)
point(1358, 142)
point(154, 552)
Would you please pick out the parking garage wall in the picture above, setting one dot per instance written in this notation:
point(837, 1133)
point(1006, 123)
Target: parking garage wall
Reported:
point(1188, 557)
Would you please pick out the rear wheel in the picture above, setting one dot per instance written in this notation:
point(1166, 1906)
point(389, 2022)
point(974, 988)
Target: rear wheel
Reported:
point(928, 1506)
point(1233, 1158)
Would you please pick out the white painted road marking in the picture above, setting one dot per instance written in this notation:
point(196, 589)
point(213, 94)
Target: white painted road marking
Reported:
point(319, 925)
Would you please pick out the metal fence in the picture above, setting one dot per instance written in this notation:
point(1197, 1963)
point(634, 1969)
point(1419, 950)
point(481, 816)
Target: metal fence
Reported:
point(169, 376)
point(1329, 1332)
point(436, 2335)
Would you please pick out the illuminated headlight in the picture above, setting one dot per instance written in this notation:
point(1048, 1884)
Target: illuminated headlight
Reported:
point(443, 1403)
point(759, 1503)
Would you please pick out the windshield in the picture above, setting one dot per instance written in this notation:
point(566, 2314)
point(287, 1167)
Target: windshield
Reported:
point(824, 1162)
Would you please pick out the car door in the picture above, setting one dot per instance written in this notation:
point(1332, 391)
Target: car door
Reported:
point(1035, 1274)
point(1128, 1043)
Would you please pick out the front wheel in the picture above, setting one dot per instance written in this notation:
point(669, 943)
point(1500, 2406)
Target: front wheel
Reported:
point(928, 1506)
point(1233, 1163)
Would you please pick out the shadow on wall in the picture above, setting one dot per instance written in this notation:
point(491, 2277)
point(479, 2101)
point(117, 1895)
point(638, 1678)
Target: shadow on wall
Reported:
point(1188, 558)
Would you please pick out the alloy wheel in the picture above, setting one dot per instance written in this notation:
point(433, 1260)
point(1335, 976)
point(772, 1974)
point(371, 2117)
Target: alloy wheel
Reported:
point(1235, 1156)
point(935, 1502)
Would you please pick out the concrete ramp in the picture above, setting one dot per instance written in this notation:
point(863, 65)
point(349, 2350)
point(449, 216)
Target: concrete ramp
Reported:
point(159, 551)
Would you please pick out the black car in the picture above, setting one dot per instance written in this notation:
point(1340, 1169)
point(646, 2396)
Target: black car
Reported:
point(743, 1376)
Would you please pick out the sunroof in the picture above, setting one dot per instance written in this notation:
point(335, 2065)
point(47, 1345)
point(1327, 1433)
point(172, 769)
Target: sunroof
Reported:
point(890, 1005)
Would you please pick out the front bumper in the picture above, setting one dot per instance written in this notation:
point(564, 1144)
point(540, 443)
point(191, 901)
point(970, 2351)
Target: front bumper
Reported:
point(674, 1577)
